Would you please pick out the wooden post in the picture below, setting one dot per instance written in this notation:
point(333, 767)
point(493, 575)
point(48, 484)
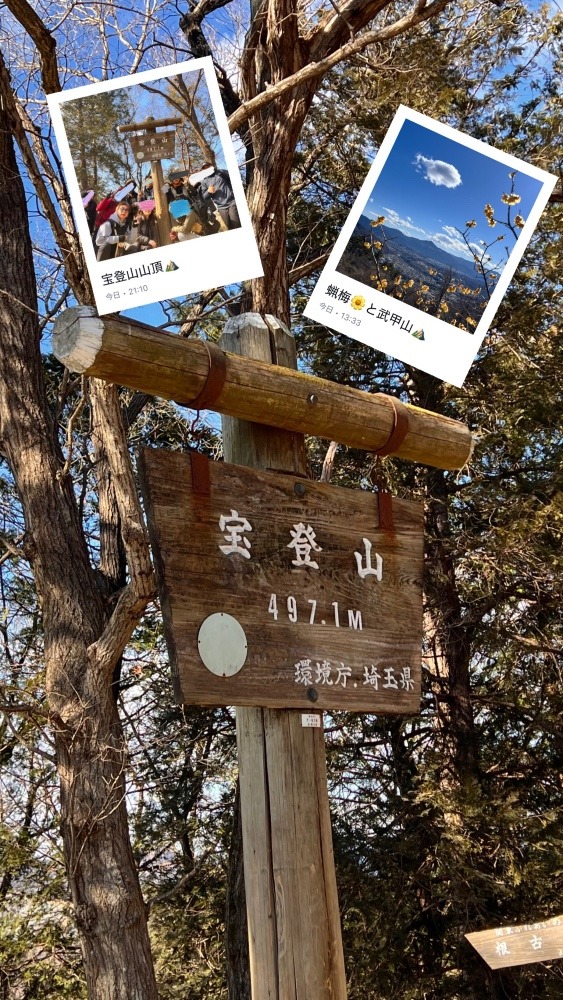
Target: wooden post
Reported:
point(293, 918)
point(141, 357)
point(160, 202)
point(150, 125)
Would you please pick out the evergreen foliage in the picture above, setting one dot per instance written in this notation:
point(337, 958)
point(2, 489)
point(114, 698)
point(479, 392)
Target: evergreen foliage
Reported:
point(444, 823)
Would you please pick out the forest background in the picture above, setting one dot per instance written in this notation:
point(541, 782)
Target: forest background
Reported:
point(119, 840)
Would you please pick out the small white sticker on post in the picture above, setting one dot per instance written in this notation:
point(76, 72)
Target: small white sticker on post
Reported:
point(312, 720)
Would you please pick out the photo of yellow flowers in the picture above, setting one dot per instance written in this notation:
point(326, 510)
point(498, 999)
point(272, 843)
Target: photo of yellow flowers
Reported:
point(439, 226)
point(430, 245)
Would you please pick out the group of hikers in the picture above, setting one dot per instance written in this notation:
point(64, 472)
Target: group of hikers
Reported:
point(123, 223)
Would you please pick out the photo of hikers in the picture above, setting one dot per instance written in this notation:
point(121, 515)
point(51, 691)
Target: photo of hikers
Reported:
point(150, 165)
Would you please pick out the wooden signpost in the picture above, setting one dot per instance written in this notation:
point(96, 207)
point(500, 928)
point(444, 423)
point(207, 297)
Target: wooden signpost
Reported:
point(294, 933)
point(156, 146)
point(278, 591)
point(504, 947)
point(312, 601)
point(153, 147)
point(132, 354)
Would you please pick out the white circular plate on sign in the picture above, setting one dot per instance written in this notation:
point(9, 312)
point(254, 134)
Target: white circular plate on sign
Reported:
point(222, 644)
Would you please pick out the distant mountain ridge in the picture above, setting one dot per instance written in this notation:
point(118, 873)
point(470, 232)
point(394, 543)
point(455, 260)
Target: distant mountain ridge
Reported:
point(425, 249)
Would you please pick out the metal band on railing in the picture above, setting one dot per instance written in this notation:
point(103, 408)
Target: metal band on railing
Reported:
point(400, 428)
point(215, 378)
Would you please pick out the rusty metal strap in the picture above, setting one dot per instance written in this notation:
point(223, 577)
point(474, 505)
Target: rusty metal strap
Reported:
point(215, 378)
point(201, 480)
point(400, 428)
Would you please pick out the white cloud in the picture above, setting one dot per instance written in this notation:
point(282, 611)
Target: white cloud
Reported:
point(438, 171)
point(449, 239)
point(393, 219)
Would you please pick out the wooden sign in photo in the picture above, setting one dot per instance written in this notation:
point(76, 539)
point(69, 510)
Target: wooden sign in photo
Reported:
point(507, 946)
point(154, 146)
point(282, 592)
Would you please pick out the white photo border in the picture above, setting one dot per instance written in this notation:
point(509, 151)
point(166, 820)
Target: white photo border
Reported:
point(219, 259)
point(446, 352)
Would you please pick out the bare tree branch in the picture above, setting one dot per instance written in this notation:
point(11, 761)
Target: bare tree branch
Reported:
point(197, 311)
point(133, 599)
point(317, 69)
point(43, 39)
point(328, 462)
point(38, 165)
point(307, 268)
point(190, 24)
point(349, 17)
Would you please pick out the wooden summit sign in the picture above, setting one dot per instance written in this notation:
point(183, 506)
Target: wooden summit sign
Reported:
point(154, 146)
point(507, 946)
point(282, 592)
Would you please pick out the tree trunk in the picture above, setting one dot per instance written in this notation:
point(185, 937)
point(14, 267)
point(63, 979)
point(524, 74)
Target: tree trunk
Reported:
point(273, 52)
point(455, 633)
point(89, 742)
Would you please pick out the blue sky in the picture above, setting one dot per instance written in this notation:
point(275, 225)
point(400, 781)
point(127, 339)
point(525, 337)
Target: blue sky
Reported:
point(430, 186)
point(148, 103)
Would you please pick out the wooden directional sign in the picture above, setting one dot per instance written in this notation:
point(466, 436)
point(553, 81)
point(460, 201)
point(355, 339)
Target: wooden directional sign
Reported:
point(282, 592)
point(507, 946)
point(154, 146)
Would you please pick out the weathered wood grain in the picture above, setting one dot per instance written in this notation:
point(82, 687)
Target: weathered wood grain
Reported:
point(292, 945)
point(143, 358)
point(291, 615)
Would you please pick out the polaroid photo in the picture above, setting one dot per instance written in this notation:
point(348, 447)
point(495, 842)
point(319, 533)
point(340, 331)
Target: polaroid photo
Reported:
point(155, 186)
point(430, 246)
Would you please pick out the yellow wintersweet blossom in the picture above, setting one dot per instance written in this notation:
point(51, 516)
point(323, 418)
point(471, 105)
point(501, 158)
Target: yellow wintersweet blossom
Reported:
point(451, 288)
point(378, 221)
point(357, 302)
point(489, 215)
point(471, 224)
point(424, 288)
point(377, 244)
point(511, 199)
point(519, 221)
point(367, 244)
point(409, 283)
point(470, 320)
point(444, 307)
point(383, 283)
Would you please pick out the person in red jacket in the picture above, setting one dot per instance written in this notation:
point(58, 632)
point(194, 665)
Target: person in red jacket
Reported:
point(107, 206)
